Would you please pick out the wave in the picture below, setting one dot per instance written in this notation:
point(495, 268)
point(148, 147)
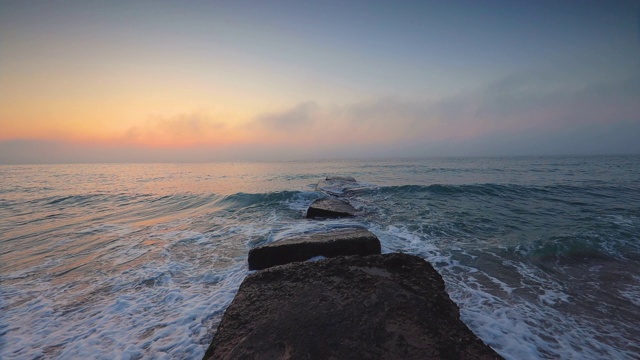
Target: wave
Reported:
point(475, 189)
point(243, 200)
point(569, 249)
point(98, 202)
point(86, 199)
point(493, 189)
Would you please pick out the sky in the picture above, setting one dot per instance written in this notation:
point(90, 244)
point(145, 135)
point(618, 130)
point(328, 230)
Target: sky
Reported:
point(174, 81)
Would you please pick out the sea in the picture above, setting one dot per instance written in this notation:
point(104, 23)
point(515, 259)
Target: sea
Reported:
point(140, 261)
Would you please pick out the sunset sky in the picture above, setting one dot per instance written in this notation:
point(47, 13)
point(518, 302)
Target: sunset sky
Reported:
point(146, 81)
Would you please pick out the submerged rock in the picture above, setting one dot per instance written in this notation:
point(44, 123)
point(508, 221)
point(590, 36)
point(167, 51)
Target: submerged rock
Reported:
point(328, 244)
point(391, 306)
point(330, 208)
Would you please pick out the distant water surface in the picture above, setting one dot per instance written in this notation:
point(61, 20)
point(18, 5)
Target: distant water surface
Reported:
point(541, 254)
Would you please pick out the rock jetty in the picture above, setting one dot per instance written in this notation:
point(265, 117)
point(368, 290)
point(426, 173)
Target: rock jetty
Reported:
point(356, 304)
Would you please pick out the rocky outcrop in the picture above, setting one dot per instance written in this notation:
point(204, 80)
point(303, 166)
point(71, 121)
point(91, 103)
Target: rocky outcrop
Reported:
point(339, 242)
point(330, 208)
point(391, 306)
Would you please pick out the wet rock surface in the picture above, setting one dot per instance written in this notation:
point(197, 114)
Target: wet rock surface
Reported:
point(330, 208)
point(391, 306)
point(356, 241)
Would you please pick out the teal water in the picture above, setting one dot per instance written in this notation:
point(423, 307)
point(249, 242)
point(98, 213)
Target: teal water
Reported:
point(541, 254)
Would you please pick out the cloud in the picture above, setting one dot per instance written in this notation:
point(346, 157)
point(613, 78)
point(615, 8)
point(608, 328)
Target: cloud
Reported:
point(179, 129)
point(525, 103)
point(522, 114)
point(529, 103)
point(390, 114)
point(372, 121)
point(300, 117)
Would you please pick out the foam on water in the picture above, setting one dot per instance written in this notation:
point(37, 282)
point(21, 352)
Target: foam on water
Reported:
point(166, 305)
point(507, 316)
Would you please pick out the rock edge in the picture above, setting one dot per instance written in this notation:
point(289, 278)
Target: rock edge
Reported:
point(355, 241)
point(330, 208)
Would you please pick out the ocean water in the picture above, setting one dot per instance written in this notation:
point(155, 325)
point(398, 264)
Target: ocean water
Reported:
point(541, 254)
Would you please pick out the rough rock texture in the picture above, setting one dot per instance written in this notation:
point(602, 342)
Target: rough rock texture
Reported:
point(330, 208)
point(328, 244)
point(391, 306)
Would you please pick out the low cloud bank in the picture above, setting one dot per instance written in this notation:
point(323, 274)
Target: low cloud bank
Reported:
point(523, 114)
point(620, 138)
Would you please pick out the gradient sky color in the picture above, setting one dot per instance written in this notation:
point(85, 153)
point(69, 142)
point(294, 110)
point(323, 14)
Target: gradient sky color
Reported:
point(147, 81)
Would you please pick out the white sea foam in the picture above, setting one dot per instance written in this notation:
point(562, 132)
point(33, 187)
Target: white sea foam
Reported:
point(514, 325)
point(301, 201)
point(167, 319)
point(165, 307)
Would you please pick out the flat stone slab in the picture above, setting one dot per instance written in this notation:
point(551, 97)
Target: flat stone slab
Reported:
point(328, 244)
point(330, 208)
point(391, 306)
